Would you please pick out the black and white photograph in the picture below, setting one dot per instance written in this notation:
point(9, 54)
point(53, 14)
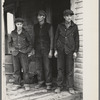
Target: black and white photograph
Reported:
point(42, 44)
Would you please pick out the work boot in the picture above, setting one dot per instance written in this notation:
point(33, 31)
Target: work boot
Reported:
point(16, 87)
point(48, 87)
point(58, 90)
point(71, 91)
point(26, 86)
point(38, 86)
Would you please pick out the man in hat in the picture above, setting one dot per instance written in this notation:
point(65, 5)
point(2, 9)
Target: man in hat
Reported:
point(20, 42)
point(43, 45)
point(66, 47)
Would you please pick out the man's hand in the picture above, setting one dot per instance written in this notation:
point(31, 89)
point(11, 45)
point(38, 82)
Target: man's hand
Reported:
point(75, 55)
point(56, 54)
point(12, 49)
point(31, 53)
point(50, 54)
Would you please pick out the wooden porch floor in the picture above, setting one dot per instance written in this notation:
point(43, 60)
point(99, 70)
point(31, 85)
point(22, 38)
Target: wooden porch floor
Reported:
point(38, 94)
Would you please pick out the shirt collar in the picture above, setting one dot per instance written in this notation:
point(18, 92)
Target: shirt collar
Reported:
point(72, 23)
point(21, 32)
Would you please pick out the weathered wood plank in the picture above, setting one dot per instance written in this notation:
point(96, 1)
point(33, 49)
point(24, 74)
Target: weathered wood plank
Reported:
point(79, 76)
point(74, 97)
point(80, 54)
point(79, 16)
point(80, 60)
point(30, 94)
point(77, 80)
point(78, 65)
point(78, 70)
point(78, 13)
point(77, 1)
point(80, 49)
point(78, 83)
point(9, 68)
point(57, 97)
point(79, 21)
point(81, 43)
point(8, 58)
point(80, 32)
point(79, 4)
point(78, 86)
point(80, 10)
point(81, 37)
point(80, 27)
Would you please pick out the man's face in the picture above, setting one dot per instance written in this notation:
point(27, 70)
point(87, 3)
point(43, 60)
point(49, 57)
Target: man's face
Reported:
point(68, 18)
point(19, 25)
point(40, 18)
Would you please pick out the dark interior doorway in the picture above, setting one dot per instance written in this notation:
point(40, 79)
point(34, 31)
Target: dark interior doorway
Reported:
point(29, 8)
point(57, 8)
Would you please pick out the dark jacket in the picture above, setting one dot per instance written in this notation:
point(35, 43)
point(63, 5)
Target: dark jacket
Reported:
point(20, 42)
point(43, 36)
point(67, 38)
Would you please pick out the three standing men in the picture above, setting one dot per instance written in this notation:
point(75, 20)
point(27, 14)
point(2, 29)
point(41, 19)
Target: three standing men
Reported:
point(66, 46)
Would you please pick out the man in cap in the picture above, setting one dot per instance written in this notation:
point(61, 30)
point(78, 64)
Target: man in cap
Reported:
point(66, 47)
point(20, 42)
point(43, 45)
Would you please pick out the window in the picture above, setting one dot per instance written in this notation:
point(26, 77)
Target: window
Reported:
point(10, 22)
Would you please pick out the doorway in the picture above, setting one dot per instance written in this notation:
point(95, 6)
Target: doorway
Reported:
point(57, 8)
point(54, 9)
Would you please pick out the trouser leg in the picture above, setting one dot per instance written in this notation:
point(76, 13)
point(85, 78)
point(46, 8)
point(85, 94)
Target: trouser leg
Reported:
point(17, 70)
point(70, 70)
point(60, 68)
point(39, 69)
point(25, 66)
point(47, 68)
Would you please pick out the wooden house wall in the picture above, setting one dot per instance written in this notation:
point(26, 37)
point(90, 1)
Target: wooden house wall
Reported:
point(77, 7)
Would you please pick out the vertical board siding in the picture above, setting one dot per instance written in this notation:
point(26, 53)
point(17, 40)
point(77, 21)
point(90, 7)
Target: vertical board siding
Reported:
point(77, 7)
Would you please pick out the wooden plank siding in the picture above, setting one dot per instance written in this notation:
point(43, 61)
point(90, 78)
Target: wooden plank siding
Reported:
point(78, 16)
point(78, 65)
point(77, 7)
point(80, 49)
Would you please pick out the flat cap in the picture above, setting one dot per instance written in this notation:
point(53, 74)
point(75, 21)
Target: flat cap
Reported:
point(19, 20)
point(68, 12)
point(42, 13)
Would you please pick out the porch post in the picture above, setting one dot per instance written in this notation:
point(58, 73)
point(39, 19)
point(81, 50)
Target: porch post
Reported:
point(3, 55)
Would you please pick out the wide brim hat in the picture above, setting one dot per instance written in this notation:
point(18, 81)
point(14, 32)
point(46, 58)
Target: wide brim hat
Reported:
point(19, 20)
point(68, 12)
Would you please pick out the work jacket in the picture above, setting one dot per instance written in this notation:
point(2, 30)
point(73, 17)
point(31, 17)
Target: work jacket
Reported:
point(20, 42)
point(67, 38)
